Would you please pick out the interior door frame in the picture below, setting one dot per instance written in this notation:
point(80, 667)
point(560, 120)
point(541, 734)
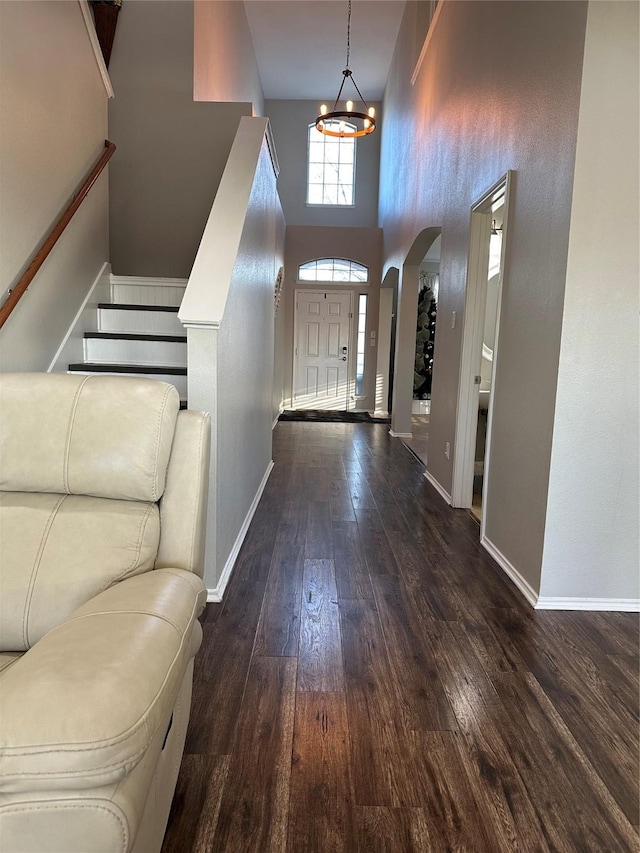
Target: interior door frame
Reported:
point(472, 336)
point(350, 361)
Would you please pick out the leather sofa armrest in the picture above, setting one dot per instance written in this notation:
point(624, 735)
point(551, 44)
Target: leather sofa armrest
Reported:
point(80, 708)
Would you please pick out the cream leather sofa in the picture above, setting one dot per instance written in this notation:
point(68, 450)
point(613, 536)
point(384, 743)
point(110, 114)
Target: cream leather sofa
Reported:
point(103, 488)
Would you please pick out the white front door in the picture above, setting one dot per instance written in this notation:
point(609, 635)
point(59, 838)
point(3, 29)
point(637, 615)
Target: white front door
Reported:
point(321, 363)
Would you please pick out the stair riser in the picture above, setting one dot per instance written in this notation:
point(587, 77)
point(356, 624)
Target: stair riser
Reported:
point(135, 352)
point(146, 294)
point(179, 381)
point(145, 322)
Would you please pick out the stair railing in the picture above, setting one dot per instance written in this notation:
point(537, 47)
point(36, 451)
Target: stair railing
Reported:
point(16, 292)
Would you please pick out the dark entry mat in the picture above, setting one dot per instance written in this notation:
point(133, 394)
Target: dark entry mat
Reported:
point(325, 416)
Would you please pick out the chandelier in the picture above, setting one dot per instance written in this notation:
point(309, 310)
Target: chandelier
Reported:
point(347, 123)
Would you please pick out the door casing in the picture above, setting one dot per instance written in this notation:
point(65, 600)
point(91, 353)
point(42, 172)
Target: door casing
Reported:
point(472, 335)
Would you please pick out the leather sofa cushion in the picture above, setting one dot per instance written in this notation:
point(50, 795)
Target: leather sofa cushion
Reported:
point(108, 436)
point(58, 551)
point(80, 709)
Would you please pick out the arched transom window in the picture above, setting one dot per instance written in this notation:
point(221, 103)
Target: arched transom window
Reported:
point(336, 270)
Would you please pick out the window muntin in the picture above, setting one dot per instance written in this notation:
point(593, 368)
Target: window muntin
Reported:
point(336, 270)
point(361, 343)
point(331, 167)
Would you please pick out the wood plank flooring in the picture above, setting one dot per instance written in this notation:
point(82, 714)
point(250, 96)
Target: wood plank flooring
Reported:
point(373, 682)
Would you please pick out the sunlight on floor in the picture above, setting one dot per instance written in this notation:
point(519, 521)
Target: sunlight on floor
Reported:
point(419, 443)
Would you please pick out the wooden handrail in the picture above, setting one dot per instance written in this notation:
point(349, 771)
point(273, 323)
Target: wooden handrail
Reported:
point(54, 235)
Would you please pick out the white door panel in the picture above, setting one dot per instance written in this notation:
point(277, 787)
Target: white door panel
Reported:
point(321, 369)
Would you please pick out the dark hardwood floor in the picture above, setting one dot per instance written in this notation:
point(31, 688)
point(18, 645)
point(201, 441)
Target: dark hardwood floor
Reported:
point(373, 681)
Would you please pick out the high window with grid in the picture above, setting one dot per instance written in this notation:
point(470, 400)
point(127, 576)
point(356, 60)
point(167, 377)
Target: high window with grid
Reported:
point(331, 167)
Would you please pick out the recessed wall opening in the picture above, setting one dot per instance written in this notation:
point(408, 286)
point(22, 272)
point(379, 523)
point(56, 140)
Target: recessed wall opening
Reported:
point(415, 359)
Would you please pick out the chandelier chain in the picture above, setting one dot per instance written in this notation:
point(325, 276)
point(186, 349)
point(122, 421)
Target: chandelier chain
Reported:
point(334, 122)
point(348, 32)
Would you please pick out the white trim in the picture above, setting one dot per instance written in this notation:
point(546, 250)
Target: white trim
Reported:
point(187, 324)
point(380, 413)
point(400, 434)
point(101, 278)
point(141, 280)
point(466, 426)
point(217, 592)
point(510, 570)
point(427, 41)
point(624, 605)
point(275, 421)
point(271, 145)
point(436, 485)
point(95, 45)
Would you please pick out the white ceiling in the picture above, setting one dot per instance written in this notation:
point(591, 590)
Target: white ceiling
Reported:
point(301, 46)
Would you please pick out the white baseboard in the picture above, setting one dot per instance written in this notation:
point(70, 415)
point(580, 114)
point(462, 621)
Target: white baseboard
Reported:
point(215, 594)
point(101, 278)
point(149, 279)
point(436, 485)
point(380, 413)
point(510, 570)
point(280, 411)
point(400, 434)
point(623, 605)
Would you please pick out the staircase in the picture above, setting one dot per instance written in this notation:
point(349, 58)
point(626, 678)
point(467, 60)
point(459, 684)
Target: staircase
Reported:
point(138, 333)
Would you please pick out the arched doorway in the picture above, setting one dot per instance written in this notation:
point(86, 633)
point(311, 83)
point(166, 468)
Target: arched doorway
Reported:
point(406, 325)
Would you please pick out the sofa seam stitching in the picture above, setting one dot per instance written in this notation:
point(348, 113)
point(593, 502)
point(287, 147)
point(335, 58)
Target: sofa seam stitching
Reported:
point(124, 612)
point(158, 432)
point(70, 425)
point(36, 568)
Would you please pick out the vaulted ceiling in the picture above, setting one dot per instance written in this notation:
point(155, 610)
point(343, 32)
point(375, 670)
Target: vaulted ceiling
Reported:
point(300, 45)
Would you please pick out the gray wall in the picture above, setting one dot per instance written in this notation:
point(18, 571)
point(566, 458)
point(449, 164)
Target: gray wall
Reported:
point(172, 151)
point(53, 123)
point(245, 361)
point(289, 122)
point(591, 537)
point(499, 89)
point(224, 62)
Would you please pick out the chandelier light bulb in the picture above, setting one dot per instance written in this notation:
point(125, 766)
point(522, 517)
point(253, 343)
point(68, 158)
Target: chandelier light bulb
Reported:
point(323, 109)
point(372, 111)
point(349, 106)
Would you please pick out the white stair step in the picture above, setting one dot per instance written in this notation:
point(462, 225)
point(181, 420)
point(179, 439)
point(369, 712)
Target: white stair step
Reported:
point(153, 319)
point(164, 373)
point(147, 291)
point(130, 348)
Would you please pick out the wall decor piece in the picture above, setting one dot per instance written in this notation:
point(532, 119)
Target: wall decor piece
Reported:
point(277, 293)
